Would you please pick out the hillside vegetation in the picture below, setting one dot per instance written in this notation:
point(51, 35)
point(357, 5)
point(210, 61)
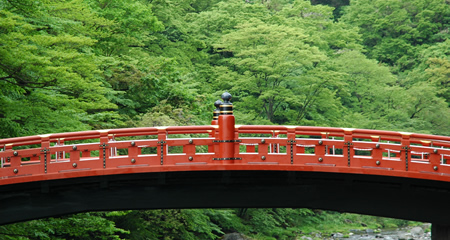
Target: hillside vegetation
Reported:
point(74, 65)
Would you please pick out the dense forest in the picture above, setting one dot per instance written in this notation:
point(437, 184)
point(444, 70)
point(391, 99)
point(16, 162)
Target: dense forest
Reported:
point(75, 65)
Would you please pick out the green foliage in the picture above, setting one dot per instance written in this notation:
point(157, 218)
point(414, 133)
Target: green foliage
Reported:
point(168, 224)
point(75, 65)
point(277, 223)
point(395, 31)
point(49, 79)
point(336, 4)
point(130, 24)
point(265, 67)
point(274, 72)
point(78, 226)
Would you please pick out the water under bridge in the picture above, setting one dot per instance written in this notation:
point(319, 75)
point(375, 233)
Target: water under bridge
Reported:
point(383, 173)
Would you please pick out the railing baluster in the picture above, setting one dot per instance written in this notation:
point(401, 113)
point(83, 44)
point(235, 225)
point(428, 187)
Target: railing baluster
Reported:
point(348, 141)
point(162, 140)
point(104, 147)
point(45, 150)
point(404, 154)
point(291, 149)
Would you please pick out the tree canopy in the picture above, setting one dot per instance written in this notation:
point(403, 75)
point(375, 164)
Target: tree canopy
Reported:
point(73, 65)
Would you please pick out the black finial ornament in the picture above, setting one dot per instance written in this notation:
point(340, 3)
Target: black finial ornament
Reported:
point(216, 111)
point(226, 96)
point(217, 104)
point(226, 107)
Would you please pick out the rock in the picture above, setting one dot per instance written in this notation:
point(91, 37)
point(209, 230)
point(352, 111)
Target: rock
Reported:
point(366, 238)
point(306, 238)
point(402, 237)
point(417, 231)
point(337, 235)
point(369, 231)
point(405, 236)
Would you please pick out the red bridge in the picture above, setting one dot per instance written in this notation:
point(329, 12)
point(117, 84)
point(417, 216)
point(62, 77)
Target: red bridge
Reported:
point(385, 173)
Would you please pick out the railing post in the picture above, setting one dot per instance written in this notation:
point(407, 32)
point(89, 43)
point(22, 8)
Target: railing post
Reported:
point(321, 149)
point(45, 149)
point(75, 154)
point(226, 136)
point(104, 149)
point(133, 151)
point(324, 135)
point(13, 160)
point(435, 159)
point(377, 152)
point(348, 141)
point(404, 154)
point(292, 149)
point(162, 140)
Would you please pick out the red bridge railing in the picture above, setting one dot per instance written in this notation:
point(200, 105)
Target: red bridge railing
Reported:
point(198, 148)
point(224, 146)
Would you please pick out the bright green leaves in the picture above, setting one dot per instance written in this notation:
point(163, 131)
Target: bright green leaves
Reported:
point(317, 22)
point(275, 65)
point(367, 88)
point(259, 47)
point(172, 224)
point(73, 17)
point(49, 79)
point(375, 99)
point(434, 68)
point(75, 65)
point(25, 61)
point(210, 26)
point(428, 89)
point(130, 24)
point(267, 56)
point(78, 226)
point(394, 31)
point(365, 79)
point(440, 76)
point(80, 64)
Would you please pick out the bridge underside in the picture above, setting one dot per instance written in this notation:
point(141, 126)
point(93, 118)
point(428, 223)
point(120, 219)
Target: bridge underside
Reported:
point(420, 200)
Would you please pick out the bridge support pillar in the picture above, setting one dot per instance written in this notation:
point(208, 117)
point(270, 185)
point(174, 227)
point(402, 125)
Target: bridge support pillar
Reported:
point(226, 134)
point(440, 232)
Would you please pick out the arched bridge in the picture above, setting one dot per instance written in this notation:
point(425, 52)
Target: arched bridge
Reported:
point(385, 173)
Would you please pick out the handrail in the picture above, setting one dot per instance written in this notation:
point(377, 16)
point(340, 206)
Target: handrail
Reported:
point(256, 147)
